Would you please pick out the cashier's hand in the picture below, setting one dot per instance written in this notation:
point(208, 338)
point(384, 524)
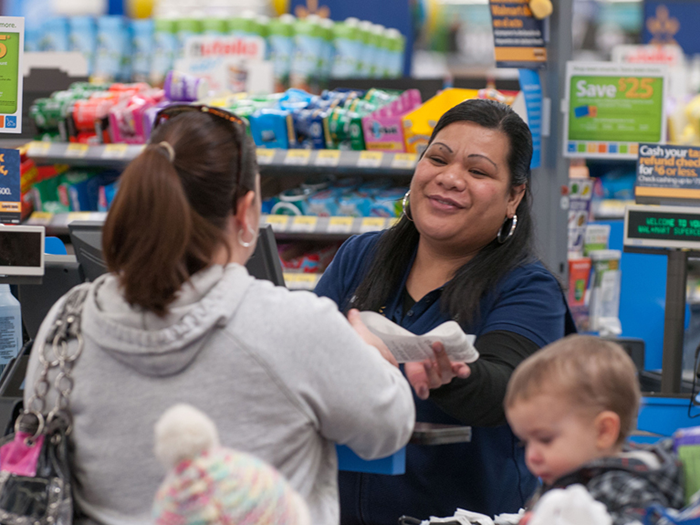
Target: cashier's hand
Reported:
point(368, 337)
point(433, 373)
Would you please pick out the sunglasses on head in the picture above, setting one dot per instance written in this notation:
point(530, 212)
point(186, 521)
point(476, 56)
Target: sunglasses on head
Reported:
point(239, 125)
point(178, 109)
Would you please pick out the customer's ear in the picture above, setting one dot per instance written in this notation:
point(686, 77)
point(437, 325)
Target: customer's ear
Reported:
point(607, 425)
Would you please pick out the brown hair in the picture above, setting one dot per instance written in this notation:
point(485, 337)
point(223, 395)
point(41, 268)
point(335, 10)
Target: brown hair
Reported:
point(168, 218)
point(591, 372)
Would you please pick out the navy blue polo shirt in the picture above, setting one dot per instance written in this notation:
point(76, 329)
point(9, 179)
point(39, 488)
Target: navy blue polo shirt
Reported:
point(487, 475)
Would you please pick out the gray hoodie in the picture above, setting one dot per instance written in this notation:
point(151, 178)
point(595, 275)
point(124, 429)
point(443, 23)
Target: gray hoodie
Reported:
point(282, 374)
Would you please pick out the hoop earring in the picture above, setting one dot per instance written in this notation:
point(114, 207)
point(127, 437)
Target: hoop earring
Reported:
point(513, 224)
point(406, 209)
point(240, 237)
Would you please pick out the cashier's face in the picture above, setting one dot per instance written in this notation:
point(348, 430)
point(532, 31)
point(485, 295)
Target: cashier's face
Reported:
point(461, 192)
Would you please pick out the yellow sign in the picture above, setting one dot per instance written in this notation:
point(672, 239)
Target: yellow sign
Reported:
point(340, 225)
point(297, 157)
point(114, 151)
point(304, 224)
point(265, 156)
point(327, 157)
point(77, 150)
point(370, 159)
point(278, 222)
point(372, 224)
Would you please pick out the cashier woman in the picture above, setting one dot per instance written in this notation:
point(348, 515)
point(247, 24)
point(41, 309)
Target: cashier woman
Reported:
point(462, 250)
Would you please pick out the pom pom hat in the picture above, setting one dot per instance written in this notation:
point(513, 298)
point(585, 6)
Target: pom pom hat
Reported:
point(209, 485)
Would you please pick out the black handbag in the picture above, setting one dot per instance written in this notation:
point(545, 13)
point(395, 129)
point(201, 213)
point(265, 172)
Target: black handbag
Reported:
point(35, 478)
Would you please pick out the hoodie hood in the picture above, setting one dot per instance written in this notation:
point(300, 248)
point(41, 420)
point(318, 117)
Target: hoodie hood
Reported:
point(162, 346)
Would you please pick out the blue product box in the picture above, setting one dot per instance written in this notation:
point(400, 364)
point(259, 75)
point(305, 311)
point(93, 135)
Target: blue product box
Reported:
point(271, 128)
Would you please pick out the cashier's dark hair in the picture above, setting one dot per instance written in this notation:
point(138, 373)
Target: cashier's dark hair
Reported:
point(473, 281)
point(169, 216)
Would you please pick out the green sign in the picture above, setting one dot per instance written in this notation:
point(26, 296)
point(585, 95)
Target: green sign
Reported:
point(611, 108)
point(662, 227)
point(9, 69)
point(11, 56)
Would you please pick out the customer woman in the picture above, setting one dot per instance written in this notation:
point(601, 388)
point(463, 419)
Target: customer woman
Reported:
point(462, 250)
point(178, 319)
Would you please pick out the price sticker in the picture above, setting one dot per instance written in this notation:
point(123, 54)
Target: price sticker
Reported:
point(635, 87)
point(77, 150)
point(404, 160)
point(372, 224)
point(297, 157)
point(79, 216)
point(38, 148)
point(301, 281)
point(340, 225)
point(40, 218)
point(114, 151)
point(279, 223)
point(304, 224)
point(328, 157)
point(392, 222)
point(265, 156)
point(370, 159)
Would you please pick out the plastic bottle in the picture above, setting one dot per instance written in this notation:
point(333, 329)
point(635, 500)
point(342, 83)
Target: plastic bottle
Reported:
point(281, 41)
point(10, 326)
point(348, 48)
point(164, 49)
point(397, 45)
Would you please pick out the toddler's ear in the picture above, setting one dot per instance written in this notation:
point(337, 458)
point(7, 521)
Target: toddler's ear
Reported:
point(607, 425)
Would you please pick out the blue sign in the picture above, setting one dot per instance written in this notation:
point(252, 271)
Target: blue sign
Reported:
point(390, 13)
point(10, 196)
point(672, 23)
point(532, 90)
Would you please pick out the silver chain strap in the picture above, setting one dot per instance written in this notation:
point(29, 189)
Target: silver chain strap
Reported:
point(65, 328)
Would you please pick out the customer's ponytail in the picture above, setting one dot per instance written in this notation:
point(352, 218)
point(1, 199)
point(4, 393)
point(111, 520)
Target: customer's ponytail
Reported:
point(148, 230)
point(171, 213)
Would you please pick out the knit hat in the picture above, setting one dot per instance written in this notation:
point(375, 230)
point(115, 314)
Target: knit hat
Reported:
point(211, 485)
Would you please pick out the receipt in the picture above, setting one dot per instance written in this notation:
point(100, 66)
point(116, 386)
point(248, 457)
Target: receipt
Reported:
point(407, 347)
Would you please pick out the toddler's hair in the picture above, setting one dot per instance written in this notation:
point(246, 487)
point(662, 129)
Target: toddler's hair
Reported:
point(592, 373)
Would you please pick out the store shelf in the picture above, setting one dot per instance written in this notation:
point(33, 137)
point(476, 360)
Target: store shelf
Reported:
point(301, 281)
point(284, 226)
point(271, 161)
point(324, 228)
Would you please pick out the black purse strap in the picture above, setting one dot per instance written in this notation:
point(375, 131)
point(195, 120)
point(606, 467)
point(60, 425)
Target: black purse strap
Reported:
point(56, 353)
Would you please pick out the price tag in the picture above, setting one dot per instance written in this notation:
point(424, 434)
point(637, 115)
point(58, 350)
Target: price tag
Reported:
point(404, 160)
point(40, 218)
point(305, 224)
point(265, 156)
point(278, 222)
point(340, 225)
point(301, 281)
point(370, 159)
point(297, 157)
point(392, 222)
point(114, 151)
point(372, 224)
point(79, 216)
point(328, 157)
point(38, 148)
point(77, 150)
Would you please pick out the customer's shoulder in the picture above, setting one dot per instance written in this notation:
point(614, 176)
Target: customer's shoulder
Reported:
point(277, 301)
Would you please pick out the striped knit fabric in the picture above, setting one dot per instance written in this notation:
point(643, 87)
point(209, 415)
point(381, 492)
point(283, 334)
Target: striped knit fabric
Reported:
point(227, 487)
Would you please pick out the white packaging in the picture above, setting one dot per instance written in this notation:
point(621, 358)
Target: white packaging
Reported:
point(407, 347)
point(604, 305)
point(10, 326)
